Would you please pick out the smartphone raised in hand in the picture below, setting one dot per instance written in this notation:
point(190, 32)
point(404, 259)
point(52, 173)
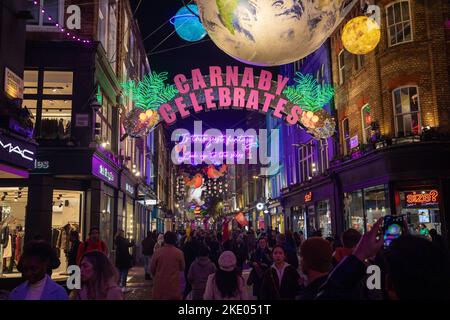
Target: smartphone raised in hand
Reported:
point(392, 229)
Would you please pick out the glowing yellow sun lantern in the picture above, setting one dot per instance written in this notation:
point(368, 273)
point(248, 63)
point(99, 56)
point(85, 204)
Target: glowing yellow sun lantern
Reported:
point(361, 35)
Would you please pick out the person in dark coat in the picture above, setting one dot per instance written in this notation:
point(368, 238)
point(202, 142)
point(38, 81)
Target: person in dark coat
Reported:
point(199, 272)
point(148, 245)
point(241, 252)
point(214, 247)
point(190, 250)
point(281, 280)
point(123, 257)
point(316, 261)
point(260, 262)
point(73, 250)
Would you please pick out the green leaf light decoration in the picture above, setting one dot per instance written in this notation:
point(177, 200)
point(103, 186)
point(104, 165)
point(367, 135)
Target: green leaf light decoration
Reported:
point(151, 92)
point(308, 93)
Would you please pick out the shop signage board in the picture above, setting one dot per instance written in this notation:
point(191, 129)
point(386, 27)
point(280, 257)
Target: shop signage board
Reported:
point(13, 85)
point(18, 153)
point(104, 171)
point(354, 142)
point(127, 185)
point(422, 198)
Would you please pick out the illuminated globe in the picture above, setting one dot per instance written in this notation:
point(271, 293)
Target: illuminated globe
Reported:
point(271, 32)
point(187, 25)
point(361, 35)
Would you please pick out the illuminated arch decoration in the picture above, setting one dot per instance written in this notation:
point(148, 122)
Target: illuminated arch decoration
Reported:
point(226, 88)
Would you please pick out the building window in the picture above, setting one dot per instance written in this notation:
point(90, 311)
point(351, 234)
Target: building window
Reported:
point(406, 111)
point(104, 118)
point(40, 20)
point(341, 65)
point(359, 62)
point(346, 135)
point(48, 96)
point(399, 22)
point(366, 120)
point(323, 155)
point(306, 161)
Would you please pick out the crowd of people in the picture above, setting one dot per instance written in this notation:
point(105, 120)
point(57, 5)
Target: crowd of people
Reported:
point(204, 265)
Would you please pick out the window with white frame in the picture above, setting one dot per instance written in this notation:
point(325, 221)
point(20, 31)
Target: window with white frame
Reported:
point(399, 22)
point(366, 120)
point(323, 155)
point(51, 8)
point(341, 66)
point(112, 35)
point(306, 161)
point(102, 28)
point(406, 111)
point(346, 135)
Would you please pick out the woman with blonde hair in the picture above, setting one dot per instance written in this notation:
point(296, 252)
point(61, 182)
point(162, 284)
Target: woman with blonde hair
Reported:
point(98, 279)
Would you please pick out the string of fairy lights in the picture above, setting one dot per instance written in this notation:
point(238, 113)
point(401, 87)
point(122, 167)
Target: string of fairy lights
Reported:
point(61, 29)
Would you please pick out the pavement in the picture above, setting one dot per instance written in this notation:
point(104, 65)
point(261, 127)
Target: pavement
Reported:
point(140, 289)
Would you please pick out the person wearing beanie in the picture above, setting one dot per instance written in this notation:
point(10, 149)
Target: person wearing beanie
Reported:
point(226, 283)
point(316, 257)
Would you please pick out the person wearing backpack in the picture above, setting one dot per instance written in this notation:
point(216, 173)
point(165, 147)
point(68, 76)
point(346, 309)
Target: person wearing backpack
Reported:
point(93, 243)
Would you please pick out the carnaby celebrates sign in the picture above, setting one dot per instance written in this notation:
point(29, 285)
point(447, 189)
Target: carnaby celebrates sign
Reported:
point(227, 88)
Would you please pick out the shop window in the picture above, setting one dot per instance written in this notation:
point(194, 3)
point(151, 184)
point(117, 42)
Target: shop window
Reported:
point(40, 20)
point(366, 119)
point(66, 217)
point(13, 202)
point(346, 135)
point(323, 155)
point(306, 161)
point(406, 111)
point(399, 22)
point(50, 102)
point(104, 119)
point(341, 66)
point(362, 208)
point(106, 232)
point(324, 214)
point(421, 208)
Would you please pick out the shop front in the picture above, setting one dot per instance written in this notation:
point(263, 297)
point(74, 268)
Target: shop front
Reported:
point(276, 216)
point(311, 209)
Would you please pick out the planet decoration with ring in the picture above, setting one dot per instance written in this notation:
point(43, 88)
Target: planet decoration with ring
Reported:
point(361, 35)
point(187, 24)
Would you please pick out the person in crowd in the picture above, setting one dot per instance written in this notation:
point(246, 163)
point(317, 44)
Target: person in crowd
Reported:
point(34, 264)
point(226, 283)
point(92, 244)
point(199, 272)
point(251, 241)
point(159, 243)
point(148, 246)
point(281, 280)
point(273, 238)
point(214, 247)
point(190, 251)
point(73, 249)
point(289, 249)
point(260, 261)
point(439, 240)
point(124, 260)
point(315, 257)
point(240, 250)
point(98, 279)
point(350, 239)
point(414, 269)
point(167, 264)
point(298, 239)
point(424, 230)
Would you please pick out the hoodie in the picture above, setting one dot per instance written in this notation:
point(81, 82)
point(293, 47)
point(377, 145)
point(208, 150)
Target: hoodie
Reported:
point(198, 274)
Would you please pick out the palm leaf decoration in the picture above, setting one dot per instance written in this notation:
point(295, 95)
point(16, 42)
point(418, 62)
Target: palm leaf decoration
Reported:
point(151, 92)
point(308, 93)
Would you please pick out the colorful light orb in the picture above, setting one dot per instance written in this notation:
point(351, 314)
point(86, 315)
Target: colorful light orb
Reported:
point(142, 117)
point(187, 25)
point(271, 33)
point(361, 35)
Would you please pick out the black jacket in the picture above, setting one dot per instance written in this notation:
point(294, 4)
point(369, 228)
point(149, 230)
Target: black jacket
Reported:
point(123, 256)
point(148, 246)
point(311, 291)
point(73, 251)
point(271, 290)
point(343, 280)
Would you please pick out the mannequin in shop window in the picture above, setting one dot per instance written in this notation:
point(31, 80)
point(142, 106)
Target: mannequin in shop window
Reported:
point(35, 262)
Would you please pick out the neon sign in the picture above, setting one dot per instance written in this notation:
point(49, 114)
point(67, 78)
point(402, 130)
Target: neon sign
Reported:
point(424, 198)
point(129, 188)
point(308, 197)
point(24, 153)
point(225, 88)
point(106, 173)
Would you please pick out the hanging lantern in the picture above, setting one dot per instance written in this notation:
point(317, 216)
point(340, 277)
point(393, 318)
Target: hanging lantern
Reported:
point(361, 35)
